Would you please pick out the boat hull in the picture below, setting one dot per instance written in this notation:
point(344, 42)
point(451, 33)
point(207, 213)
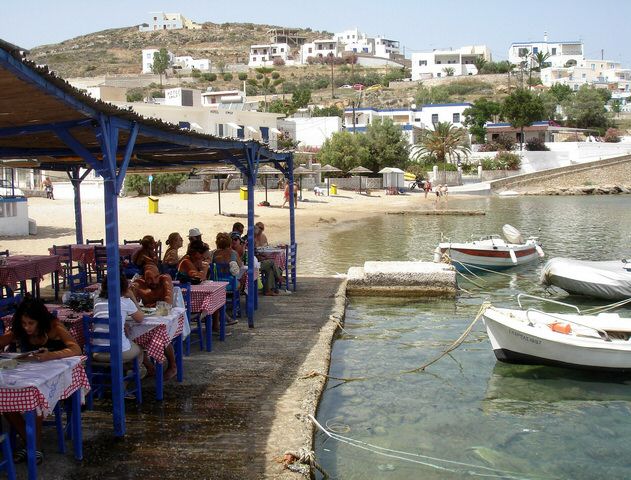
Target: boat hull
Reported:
point(490, 257)
point(516, 341)
point(606, 280)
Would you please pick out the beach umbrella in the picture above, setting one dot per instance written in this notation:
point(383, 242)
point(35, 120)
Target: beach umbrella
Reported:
point(266, 171)
point(218, 171)
point(300, 171)
point(359, 171)
point(329, 169)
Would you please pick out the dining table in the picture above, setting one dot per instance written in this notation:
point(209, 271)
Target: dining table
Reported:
point(207, 298)
point(277, 254)
point(85, 253)
point(17, 269)
point(155, 333)
point(34, 388)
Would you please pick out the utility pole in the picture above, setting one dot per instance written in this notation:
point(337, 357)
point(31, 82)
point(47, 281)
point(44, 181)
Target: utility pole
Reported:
point(331, 59)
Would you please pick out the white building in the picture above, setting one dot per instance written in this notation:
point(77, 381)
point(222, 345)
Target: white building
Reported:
point(597, 73)
point(460, 61)
point(168, 21)
point(319, 49)
point(227, 100)
point(190, 63)
point(358, 42)
point(560, 52)
point(182, 97)
point(108, 93)
point(264, 55)
point(311, 131)
point(411, 120)
point(350, 36)
point(385, 48)
point(147, 59)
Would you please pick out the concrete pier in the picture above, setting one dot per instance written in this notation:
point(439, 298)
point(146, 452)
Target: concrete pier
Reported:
point(402, 279)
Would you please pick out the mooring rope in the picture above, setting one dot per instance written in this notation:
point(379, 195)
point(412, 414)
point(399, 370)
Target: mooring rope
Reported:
point(605, 308)
point(420, 458)
point(303, 460)
point(449, 349)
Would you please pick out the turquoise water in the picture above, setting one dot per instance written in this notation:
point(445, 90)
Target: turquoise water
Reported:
point(468, 415)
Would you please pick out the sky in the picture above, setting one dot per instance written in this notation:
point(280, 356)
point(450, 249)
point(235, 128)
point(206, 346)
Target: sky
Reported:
point(419, 25)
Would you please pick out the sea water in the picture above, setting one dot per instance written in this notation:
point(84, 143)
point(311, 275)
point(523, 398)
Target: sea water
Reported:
point(468, 415)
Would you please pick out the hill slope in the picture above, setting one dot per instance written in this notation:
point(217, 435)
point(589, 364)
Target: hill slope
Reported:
point(118, 50)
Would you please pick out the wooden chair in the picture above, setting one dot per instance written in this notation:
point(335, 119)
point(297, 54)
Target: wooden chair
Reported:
point(220, 272)
point(99, 370)
point(73, 275)
point(127, 242)
point(100, 262)
point(290, 265)
point(197, 330)
point(95, 242)
point(89, 266)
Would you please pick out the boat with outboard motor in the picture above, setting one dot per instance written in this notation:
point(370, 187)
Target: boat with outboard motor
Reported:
point(491, 252)
point(610, 280)
point(533, 337)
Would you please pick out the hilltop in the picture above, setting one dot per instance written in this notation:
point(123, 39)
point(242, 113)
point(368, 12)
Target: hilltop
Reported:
point(118, 50)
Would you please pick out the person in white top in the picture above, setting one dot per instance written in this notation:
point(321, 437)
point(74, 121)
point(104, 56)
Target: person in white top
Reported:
point(129, 307)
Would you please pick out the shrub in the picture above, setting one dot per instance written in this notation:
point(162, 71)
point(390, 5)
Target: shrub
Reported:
point(209, 77)
point(227, 76)
point(243, 76)
point(259, 76)
point(536, 145)
point(612, 135)
point(278, 62)
point(196, 73)
point(468, 86)
point(275, 75)
point(157, 94)
point(135, 95)
point(508, 160)
point(162, 183)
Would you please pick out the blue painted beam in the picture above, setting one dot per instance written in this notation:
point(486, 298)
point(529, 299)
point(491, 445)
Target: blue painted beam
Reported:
point(127, 156)
point(292, 211)
point(251, 152)
point(79, 149)
point(46, 127)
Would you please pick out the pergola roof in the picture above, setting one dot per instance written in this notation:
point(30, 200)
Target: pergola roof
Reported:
point(39, 111)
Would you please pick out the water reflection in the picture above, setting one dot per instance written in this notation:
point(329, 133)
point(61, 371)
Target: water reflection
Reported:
point(540, 422)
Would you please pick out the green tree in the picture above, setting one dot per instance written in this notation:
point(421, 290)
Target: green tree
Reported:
point(586, 109)
point(479, 63)
point(301, 97)
point(264, 82)
point(561, 92)
point(331, 111)
point(160, 63)
point(443, 143)
point(521, 108)
point(344, 151)
point(429, 95)
point(550, 104)
point(540, 59)
point(476, 116)
point(387, 145)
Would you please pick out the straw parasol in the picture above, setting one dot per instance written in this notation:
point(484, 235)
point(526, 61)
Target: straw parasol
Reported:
point(300, 171)
point(359, 171)
point(219, 171)
point(266, 171)
point(329, 169)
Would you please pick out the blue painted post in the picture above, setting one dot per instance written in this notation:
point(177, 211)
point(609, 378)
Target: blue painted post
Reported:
point(76, 186)
point(252, 282)
point(292, 211)
point(114, 308)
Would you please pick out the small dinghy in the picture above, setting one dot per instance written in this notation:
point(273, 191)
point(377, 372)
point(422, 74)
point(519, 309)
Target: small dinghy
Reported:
point(533, 337)
point(609, 280)
point(491, 252)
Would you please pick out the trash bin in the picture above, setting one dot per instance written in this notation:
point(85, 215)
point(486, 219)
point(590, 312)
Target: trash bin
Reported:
point(243, 194)
point(333, 189)
point(153, 204)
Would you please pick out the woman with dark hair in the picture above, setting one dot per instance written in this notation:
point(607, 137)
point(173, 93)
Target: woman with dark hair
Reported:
point(36, 330)
point(192, 267)
point(152, 286)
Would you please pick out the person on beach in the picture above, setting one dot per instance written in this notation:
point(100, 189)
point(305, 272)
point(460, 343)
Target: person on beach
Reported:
point(35, 330)
point(427, 188)
point(295, 195)
point(47, 186)
point(285, 195)
point(444, 191)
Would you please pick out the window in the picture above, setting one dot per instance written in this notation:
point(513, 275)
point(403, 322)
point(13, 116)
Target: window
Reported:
point(456, 118)
point(365, 49)
point(554, 51)
point(438, 62)
point(535, 49)
point(434, 118)
point(438, 74)
point(593, 66)
point(584, 75)
point(220, 129)
point(422, 63)
point(254, 59)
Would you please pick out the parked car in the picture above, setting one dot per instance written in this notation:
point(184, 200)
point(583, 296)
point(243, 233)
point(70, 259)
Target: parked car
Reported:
point(374, 88)
point(7, 191)
point(346, 86)
point(358, 86)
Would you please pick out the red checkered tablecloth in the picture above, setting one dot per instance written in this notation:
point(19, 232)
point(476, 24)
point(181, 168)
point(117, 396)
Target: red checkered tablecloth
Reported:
point(80, 253)
point(278, 255)
point(208, 296)
point(155, 333)
point(40, 385)
point(72, 320)
point(25, 267)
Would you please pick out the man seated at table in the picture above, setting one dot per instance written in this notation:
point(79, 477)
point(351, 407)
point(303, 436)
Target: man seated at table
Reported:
point(36, 330)
point(195, 234)
point(153, 286)
point(193, 267)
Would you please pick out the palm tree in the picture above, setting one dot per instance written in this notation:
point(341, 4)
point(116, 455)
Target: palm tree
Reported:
point(479, 63)
point(449, 71)
point(540, 58)
point(443, 143)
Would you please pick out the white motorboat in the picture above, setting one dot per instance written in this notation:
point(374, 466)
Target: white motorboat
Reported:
point(588, 342)
point(609, 280)
point(491, 252)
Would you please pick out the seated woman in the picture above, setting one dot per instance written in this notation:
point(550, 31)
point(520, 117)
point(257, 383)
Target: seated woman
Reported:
point(260, 240)
point(171, 257)
point(192, 267)
point(36, 330)
point(152, 287)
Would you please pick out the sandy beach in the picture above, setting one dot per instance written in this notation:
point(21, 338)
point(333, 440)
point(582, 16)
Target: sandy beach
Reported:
point(315, 215)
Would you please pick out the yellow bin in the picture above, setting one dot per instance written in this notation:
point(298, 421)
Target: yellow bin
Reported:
point(333, 189)
point(243, 194)
point(153, 204)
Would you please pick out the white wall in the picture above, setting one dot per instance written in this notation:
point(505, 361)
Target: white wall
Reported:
point(314, 131)
point(13, 217)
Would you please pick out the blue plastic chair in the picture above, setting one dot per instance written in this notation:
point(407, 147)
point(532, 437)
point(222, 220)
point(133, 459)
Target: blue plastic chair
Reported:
point(7, 463)
point(197, 330)
point(8, 306)
point(98, 372)
point(221, 273)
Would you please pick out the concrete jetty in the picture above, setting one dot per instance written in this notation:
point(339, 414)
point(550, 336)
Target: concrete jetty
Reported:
point(461, 213)
point(402, 279)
